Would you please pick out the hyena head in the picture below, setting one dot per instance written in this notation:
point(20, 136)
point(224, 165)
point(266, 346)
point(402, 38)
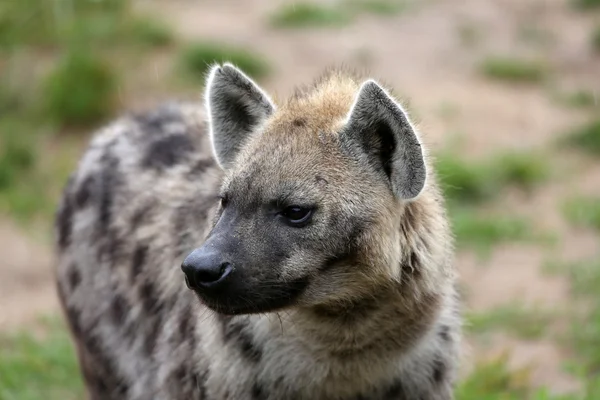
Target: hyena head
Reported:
point(312, 194)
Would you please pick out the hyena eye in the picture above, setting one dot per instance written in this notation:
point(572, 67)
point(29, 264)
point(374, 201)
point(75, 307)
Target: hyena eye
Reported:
point(297, 216)
point(223, 201)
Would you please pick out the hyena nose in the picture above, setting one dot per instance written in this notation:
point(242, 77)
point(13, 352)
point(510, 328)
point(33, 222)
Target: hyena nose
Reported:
point(204, 269)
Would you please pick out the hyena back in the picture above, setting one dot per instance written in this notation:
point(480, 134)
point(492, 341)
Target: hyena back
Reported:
point(311, 236)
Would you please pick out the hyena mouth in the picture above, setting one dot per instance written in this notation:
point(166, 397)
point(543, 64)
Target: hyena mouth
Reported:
point(244, 298)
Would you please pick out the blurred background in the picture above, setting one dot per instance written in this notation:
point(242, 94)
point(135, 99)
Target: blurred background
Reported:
point(506, 94)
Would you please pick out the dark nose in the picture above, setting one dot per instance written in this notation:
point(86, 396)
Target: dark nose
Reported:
point(205, 269)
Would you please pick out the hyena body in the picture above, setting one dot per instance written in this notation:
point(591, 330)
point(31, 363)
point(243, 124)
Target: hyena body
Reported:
point(322, 256)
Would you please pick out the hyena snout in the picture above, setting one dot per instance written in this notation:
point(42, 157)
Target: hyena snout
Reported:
point(206, 269)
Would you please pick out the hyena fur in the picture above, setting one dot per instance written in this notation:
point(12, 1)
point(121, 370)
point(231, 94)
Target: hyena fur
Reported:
point(316, 253)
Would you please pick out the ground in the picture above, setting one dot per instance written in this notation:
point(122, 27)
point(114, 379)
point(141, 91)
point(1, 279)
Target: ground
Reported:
point(433, 54)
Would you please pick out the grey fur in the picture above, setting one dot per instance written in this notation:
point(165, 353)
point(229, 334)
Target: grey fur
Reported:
point(383, 132)
point(377, 318)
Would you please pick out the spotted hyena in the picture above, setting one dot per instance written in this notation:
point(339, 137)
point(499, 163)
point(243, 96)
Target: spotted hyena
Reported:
point(261, 249)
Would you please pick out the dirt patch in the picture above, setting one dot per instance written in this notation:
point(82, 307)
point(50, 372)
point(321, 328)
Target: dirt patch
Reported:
point(26, 283)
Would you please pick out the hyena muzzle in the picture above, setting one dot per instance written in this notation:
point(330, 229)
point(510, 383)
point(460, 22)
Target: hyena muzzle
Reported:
point(310, 233)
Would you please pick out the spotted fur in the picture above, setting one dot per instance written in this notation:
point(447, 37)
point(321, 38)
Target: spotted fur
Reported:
point(359, 305)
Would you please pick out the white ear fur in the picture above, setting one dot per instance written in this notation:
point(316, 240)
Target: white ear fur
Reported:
point(235, 106)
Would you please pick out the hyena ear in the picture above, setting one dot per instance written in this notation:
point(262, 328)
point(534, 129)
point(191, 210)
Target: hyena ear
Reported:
point(235, 106)
point(378, 128)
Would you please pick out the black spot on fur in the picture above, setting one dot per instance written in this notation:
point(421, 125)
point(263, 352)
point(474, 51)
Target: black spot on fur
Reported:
point(439, 371)
point(109, 182)
point(233, 331)
point(396, 392)
point(100, 371)
point(74, 317)
point(64, 222)
point(156, 121)
point(349, 311)
point(414, 261)
point(299, 122)
point(74, 277)
point(186, 327)
point(258, 392)
point(84, 193)
point(199, 381)
point(200, 167)
point(149, 296)
point(168, 151)
point(185, 218)
point(142, 215)
point(118, 308)
point(445, 333)
point(152, 336)
point(139, 259)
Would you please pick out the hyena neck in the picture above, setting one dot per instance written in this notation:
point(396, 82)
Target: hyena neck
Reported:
point(381, 326)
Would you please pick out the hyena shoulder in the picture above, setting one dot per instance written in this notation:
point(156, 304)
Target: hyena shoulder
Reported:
point(131, 208)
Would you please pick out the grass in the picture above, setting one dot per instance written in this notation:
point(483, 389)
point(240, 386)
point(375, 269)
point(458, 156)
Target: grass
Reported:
point(39, 367)
point(523, 169)
point(583, 335)
point(586, 4)
point(479, 181)
point(379, 7)
point(312, 14)
point(596, 39)
point(585, 137)
point(580, 99)
point(308, 15)
point(481, 233)
point(17, 154)
point(510, 69)
point(528, 324)
point(197, 58)
point(493, 380)
point(151, 32)
point(583, 211)
point(585, 327)
point(81, 89)
point(55, 23)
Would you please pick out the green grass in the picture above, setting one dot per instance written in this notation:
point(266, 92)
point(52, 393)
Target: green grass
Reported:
point(581, 98)
point(596, 39)
point(464, 182)
point(297, 15)
point(54, 23)
point(378, 7)
point(583, 211)
point(481, 233)
point(510, 69)
point(151, 32)
point(586, 4)
point(312, 14)
point(524, 323)
point(522, 169)
point(493, 380)
point(583, 334)
point(198, 57)
point(81, 90)
point(39, 367)
point(479, 181)
point(585, 327)
point(17, 154)
point(585, 137)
